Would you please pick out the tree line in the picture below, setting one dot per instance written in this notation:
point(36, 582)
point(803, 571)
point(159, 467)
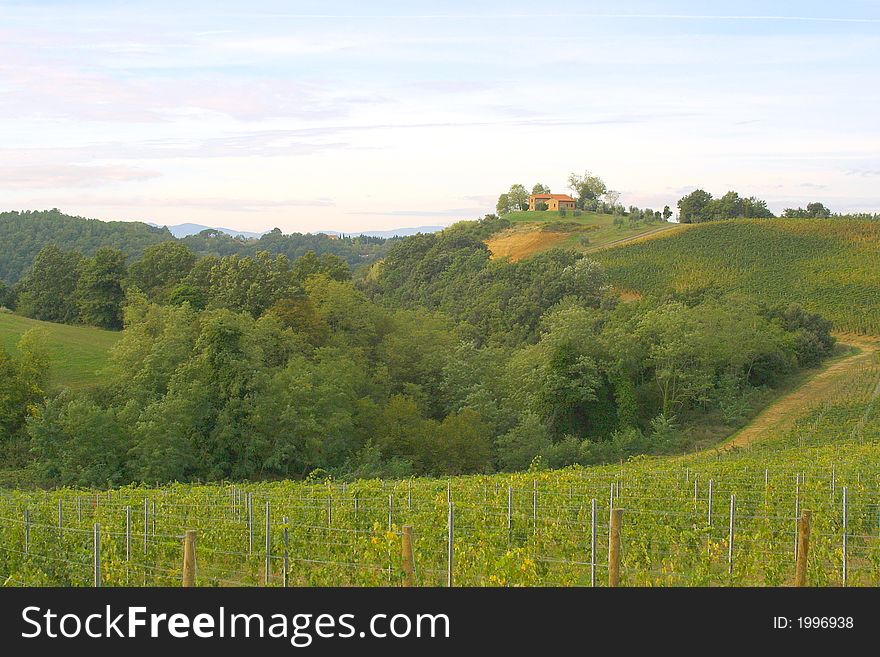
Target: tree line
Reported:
point(24, 234)
point(700, 206)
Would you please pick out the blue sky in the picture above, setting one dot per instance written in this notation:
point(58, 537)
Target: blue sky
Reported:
point(368, 115)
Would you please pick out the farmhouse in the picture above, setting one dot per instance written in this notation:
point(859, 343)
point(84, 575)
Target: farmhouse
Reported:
point(553, 201)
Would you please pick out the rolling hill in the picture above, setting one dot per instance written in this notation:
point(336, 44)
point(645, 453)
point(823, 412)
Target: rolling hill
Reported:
point(77, 352)
point(829, 266)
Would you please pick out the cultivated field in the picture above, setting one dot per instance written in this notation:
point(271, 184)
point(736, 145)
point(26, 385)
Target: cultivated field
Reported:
point(830, 266)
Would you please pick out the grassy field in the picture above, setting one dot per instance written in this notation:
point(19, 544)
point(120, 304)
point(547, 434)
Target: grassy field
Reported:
point(830, 266)
point(77, 352)
point(534, 232)
point(527, 529)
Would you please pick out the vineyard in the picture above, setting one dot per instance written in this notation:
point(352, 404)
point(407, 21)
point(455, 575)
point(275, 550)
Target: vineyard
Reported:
point(720, 518)
point(828, 266)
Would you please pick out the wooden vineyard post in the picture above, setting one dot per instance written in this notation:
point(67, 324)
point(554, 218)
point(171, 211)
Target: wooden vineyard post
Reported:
point(614, 548)
point(189, 558)
point(800, 576)
point(406, 544)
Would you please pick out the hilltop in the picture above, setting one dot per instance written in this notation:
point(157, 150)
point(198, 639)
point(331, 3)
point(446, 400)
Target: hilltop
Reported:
point(535, 232)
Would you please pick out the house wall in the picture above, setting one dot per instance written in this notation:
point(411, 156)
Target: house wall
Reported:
point(552, 204)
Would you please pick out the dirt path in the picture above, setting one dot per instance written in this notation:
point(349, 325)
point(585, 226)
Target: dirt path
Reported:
point(787, 409)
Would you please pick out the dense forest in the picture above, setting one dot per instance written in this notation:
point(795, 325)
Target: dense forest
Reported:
point(24, 234)
point(436, 360)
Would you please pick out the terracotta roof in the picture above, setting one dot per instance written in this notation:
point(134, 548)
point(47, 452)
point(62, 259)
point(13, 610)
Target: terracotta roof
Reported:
point(560, 197)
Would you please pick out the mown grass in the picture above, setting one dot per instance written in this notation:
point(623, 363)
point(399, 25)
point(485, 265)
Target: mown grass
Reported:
point(77, 352)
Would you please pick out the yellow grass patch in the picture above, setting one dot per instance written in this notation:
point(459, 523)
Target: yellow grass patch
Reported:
point(518, 244)
point(627, 295)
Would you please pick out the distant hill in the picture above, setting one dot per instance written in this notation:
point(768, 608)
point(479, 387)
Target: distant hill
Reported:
point(394, 232)
point(185, 230)
point(23, 234)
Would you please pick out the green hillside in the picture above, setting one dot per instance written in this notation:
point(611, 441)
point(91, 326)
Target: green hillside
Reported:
point(830, 266)
point(535, 232)
point(77, 352)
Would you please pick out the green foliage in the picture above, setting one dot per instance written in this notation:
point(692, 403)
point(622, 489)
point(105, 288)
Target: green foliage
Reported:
point(48, 292)
point(24, 234)
point(8, 296)
point(812, 211)
point(99, 292)
point(500, 302)
point(161, 269)
point(23, 380)
point(355, 250)
point(699, 206)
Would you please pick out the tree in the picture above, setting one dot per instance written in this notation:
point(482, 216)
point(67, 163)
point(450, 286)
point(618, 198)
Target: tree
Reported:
point(518, 447)
point(48, 292)
point(299, 314)
point(612, 198)
point(162, 267)
point(756, 208)
point(587, 187)
point(99, 291)
point(504, 205)
point(818, 211)
point(23, 381)
point(519, 197)
point(667, 213)
point(7, 296)
point(461, 444)
point(813, 210)
point(540, 189)
point(692, 208)
point(311, 264)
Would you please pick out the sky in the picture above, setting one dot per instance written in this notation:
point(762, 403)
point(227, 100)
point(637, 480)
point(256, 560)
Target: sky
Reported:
point(374, 115)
